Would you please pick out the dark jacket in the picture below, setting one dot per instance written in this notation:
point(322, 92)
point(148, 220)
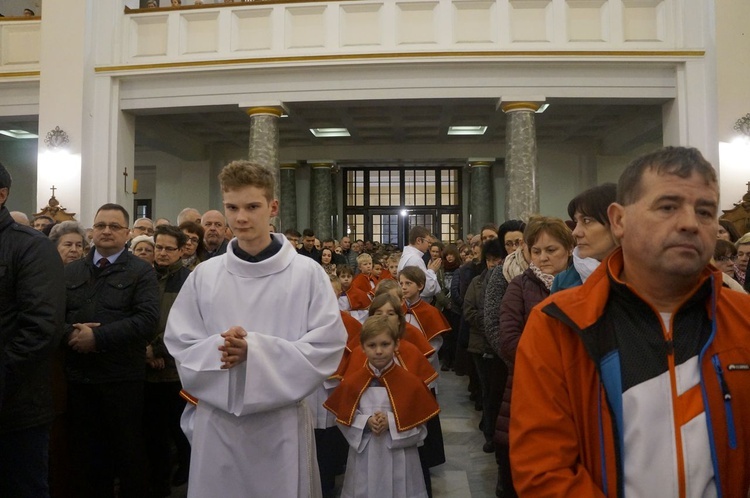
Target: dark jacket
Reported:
point(459, 284)
point(171, 280)
point(31, 317)
point(124, 298)
point(523, 293)
point(474, 314)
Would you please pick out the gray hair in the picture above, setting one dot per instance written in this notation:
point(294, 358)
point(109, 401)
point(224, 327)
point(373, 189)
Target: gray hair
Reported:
point(65, 228)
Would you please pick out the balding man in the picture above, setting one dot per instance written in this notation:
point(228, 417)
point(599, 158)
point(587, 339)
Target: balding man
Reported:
point(214, 226)
point(189, 214)
point(142, 226)
point(20, 218)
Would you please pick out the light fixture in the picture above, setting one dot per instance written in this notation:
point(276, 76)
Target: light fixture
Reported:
point(56, 139)
point(20, 134)
point(542, 108)
point(743, 125)
point(330, 132)
point(467, 130)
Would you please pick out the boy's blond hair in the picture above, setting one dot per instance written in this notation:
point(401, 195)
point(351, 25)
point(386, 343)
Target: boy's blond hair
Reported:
point(376, 325)
point(388, 286)
point(343, 270)
point(364, 258)
point(336, 284)
point(239, 174)
point(393, 258)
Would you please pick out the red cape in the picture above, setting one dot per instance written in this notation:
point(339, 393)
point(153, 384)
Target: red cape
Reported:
point(430, 320)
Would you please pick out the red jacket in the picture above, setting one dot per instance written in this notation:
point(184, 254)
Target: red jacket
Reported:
point(563, 434)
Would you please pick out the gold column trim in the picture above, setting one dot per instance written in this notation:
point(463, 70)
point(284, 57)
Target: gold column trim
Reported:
point(520, 106)
point(391, 55)
point(479, 164)
point(275, 111)
point(288, 166)
point(321, 165)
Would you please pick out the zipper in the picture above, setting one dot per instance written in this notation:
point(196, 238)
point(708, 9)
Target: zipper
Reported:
point(732, 433)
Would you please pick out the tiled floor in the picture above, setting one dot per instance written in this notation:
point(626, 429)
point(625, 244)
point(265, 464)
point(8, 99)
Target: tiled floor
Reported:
point(468, 472)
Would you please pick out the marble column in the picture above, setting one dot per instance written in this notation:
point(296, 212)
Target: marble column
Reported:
point(288, 199)
point(481, 203)
point(521, 174)
point(321, 200)
point(264, 143)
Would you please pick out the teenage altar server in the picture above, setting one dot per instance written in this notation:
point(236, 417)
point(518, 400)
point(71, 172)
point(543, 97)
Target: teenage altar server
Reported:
point(250, 350)
point(381, 410)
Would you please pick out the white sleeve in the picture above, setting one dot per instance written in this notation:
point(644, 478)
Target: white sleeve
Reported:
point(356, 435)
point(431, 286)
point(407, 438)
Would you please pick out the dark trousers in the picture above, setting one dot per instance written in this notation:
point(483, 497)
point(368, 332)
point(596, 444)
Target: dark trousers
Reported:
point(163, 408)
point(106, 422)
point(332, 451)
point(483, 368)
point(24, 463)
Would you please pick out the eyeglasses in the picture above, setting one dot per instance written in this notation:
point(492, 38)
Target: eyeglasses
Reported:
point(112, 226)
point(149, 231)
point(159, 248)
point(513, 243)
point(193, 240)
point(724, 259)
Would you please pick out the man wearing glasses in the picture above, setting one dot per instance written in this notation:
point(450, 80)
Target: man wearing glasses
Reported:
point(419, 243)
point(112, 310)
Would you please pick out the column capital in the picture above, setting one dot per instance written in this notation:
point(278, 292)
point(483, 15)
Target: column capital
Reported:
point(321, 163)
point(277, 111)
point(480, 163)
point(288, 166)
point(530, 103)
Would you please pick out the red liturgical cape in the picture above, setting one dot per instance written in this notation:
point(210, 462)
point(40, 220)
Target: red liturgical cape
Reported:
point(412, 402)
point(408, 356)
point(362, 282)
point(358, 300)
point(430, 320)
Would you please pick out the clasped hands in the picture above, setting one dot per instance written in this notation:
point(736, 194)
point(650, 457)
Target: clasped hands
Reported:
point(377, 423)
point(234, 349)
point(82, 338)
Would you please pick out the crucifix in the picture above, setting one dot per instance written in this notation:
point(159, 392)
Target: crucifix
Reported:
point(53, 190)
point(125, 183)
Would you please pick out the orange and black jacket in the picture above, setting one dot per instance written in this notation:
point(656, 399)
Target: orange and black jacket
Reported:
point(586, 349)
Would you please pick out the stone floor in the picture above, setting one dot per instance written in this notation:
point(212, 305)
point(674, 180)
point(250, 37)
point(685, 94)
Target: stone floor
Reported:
point(468, 472)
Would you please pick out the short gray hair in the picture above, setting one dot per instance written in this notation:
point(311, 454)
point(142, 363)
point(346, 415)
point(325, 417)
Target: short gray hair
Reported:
point(65, 228)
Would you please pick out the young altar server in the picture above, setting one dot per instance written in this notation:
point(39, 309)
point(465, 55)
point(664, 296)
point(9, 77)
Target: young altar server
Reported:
point(247, 358)
point(351, 299)
point(381, 410)
point(365, 280)
point(421, 314)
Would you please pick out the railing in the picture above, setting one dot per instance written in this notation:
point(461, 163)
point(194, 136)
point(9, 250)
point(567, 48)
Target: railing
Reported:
point(20, 43)
point(377, 28)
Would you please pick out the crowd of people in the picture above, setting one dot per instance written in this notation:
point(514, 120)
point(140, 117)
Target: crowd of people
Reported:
point(609, 353)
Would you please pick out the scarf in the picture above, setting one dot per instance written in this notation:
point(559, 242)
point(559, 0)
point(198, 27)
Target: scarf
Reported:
point(514, 264)
point(739, 275)
point(545, 278)
point(584, 266)
point(448, 266)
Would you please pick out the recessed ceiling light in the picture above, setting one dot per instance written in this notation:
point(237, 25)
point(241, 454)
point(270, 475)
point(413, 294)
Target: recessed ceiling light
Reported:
point(330, 132)
point(20, 134)
point(542, 108)
point(466, 130)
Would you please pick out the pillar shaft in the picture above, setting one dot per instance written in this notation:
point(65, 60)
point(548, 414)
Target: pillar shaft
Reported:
point(321, 200)
point(288, 199)
point(264, 144)
point(521, 173)
point(481, 203)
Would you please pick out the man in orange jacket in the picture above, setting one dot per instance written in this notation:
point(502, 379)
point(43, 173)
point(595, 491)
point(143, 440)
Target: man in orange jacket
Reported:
point(638, 382)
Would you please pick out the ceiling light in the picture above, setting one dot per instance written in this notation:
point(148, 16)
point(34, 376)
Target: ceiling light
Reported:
point(542, 108)
point(466, 130)
point(20, 134)
point(330, 132)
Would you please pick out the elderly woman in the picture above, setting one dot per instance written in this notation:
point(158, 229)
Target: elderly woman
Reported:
point(69, 237)
point(143, 247)
point(550, 243)
point(594, 240)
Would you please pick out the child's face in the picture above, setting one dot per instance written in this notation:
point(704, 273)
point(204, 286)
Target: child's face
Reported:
point(377, 269)
point(387, 310)
point(379, 350)
point(393, 268)
point(346, 281)
point(409, 289)
point(365, 267)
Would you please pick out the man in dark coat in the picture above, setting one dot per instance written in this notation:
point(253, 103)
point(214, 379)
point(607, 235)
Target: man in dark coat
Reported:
point(111, 315)
point(31, 311)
